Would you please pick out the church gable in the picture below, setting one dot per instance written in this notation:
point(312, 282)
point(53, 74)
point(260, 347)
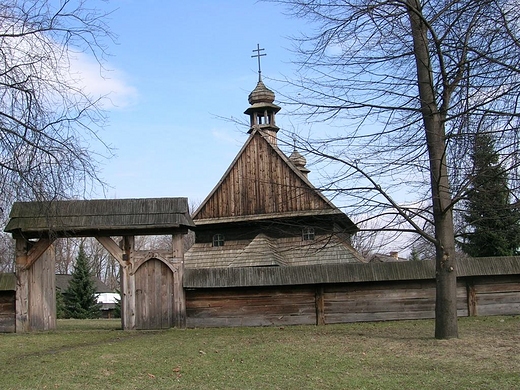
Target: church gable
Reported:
point(260, 181)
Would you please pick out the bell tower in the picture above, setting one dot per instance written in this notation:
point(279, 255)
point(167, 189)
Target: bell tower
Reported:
point(262, 110)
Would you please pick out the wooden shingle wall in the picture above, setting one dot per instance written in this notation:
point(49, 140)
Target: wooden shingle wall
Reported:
point(264, 251)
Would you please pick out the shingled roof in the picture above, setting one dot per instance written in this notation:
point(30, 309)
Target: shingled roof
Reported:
point(264, 251)
point(100, 217)
point(343, 273)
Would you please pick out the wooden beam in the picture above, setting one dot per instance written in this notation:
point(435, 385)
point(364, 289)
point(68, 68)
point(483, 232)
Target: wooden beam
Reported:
point(112, 248)
point(22, 287)
point(179, 296)
point(125, 257)
point(128, 278)
point(34, 287)
point(33, 250)
point(320, 306)
point(42, 292)
point(472, 298)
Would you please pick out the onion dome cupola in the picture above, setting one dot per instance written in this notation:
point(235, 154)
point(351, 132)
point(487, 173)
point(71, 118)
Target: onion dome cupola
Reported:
point(299, 162)
point(262, 110)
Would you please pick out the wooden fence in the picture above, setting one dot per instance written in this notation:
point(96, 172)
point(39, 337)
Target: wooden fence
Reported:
point(329, 294)
point(341, 293)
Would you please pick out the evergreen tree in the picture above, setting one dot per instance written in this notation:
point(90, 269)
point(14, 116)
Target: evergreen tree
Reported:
point(60, 305)
point(80, 298)
point(414, 255)
point(493, 224)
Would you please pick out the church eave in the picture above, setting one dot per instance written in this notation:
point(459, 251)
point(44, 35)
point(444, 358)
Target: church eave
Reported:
point(258, 106)
point(333, 214)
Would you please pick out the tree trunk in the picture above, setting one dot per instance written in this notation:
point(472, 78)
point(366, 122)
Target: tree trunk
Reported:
point(446, 278)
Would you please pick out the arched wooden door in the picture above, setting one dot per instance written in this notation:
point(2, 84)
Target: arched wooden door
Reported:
point(154, 296)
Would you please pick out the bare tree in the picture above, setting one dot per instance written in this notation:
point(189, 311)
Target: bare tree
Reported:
point(409, 82)
point(66, 250)
point(103, 265)
point(48, 121)
point(7, 253)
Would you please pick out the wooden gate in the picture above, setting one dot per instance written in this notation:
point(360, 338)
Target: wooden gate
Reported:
point(35, 225)
point(154, 295)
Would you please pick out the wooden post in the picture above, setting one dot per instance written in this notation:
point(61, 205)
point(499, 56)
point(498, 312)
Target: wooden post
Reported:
point(179, 297)
point(22, 287)
point(320, 306)
point(125, 255)
point(42, 292)
point(128, 279)
point(472, 298)
point(35, 285)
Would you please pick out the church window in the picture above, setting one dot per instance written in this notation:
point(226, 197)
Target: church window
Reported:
point(218, 240)
point(308, 234)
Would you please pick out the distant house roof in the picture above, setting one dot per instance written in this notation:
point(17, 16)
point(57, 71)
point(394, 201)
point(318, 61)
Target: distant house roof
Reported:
point(62, 283)
point(390, 258)
point(101, 217)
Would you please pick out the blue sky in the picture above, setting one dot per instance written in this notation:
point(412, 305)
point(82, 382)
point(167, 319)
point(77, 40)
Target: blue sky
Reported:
point(176, 68)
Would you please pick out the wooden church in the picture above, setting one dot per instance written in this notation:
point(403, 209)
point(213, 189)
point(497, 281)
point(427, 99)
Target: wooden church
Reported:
point(264, 211)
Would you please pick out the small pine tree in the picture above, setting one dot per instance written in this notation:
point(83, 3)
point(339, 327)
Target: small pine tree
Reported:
point(80, 298)
point(493, 224)
point(414, 255)
point(60, 305)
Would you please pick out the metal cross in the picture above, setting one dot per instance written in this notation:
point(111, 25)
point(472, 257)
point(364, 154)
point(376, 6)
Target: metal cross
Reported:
point(258, 55)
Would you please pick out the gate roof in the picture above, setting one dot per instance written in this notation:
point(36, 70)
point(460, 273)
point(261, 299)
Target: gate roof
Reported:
point(100, 217)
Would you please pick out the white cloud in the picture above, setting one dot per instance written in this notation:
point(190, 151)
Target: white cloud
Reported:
point(108, 82)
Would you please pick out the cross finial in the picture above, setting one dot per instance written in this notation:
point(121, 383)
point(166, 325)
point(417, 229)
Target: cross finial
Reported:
point(258, 55)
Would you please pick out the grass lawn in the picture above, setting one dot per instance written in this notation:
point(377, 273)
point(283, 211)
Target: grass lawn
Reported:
point(387, 355)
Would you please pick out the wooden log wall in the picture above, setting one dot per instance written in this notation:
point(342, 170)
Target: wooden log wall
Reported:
point(385, 301)
point(345, 302)
point(496, 296)
point(292, 305)
point(7, 311)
